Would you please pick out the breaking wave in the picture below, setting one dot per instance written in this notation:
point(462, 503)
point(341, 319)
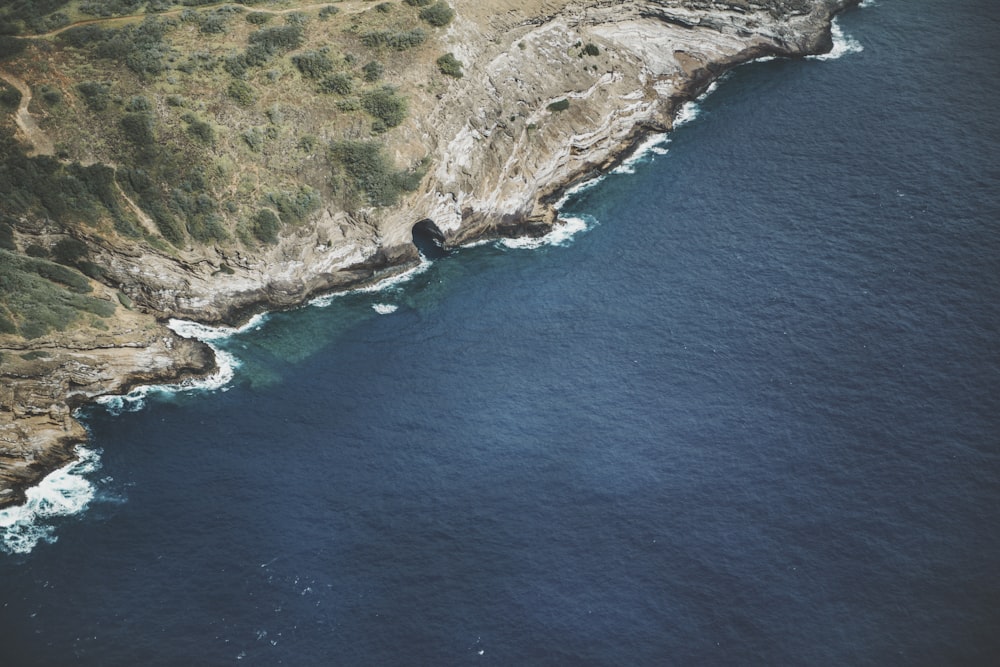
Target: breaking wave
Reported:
point(654, 144)
point(61, 493)
point(378, 286)
point(843, 44)
point(562, 233)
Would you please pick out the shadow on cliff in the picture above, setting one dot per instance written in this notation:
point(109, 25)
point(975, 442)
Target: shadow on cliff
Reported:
point(429, 240)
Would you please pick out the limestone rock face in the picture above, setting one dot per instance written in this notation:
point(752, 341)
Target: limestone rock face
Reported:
point(40, 387)
point(499, 152)
point(553, 92)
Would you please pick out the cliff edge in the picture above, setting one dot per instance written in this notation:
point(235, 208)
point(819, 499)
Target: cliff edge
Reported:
point(249, 158)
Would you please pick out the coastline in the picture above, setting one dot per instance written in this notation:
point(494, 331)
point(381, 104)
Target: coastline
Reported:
point(183, 359)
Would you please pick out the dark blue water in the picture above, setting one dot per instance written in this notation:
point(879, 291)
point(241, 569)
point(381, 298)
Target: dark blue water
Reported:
point(751, 416)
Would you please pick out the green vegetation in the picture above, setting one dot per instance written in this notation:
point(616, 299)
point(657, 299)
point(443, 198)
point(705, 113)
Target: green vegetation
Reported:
point(373, 71)
point(95, 95)
point(208, 111)
point(264, 225)
point(278, 39)
point(363, 167)
point(313, 64)
point(439, 14)
point(10, 97)
point(258, 18)
point(263, 45)
point(10, 47)
point(559, 105)
point(590, 50)
point(138, 129)
point(386, 105)
point(240, 91)
point(199, 129)
point(294, 207)
point(450, 65)
point(20, 16)
point(340, 83)
point(327, 12)
point(141, 46)
point(38, 296)
point(69, 193)
point(400, 41)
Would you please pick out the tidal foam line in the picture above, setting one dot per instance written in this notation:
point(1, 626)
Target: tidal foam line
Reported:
point(384, 284)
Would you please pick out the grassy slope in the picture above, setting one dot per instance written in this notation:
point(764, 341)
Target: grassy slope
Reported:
point(226, 125)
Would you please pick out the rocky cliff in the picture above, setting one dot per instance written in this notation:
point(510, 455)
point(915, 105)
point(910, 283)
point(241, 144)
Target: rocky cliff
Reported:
point(551, 92)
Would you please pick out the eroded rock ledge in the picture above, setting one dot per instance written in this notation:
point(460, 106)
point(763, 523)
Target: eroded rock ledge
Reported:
point(503, 146)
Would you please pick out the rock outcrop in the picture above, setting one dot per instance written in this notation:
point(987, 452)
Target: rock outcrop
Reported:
point(553, 92)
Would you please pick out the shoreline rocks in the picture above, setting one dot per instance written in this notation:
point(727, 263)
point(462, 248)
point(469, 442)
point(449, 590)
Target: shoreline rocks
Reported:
point(547, 101)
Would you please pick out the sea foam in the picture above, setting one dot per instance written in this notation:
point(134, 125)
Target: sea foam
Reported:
point(63, 492)
point(378, 286)
point(655, 144)
point(206, 333)
point(384, 308)
point(562, 233)
point(843, 44)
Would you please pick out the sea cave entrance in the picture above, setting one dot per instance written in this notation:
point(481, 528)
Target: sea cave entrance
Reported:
point(429, 239)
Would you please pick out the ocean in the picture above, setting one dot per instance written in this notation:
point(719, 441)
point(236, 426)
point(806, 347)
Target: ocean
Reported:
point(742, 410)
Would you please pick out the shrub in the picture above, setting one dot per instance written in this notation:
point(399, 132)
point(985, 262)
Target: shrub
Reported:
point(138, 103)
point(349, 104)
point(69, 251)
point(254, 139)
point(293, 207)
point(7, 237)
point(202, 131)
point(10, 97)
point(559, 105)
point(385, 105)
point(264, 225)
point(10, 46)
point(373, 71)
point(339, 83)
point(399, 41)
point(80, 36)
point(214, 24)
point(140, 46)
point(591, 50)
point(366, 168)
point(258, 18)
point(439, 14)
point(418, 3)
point(313, 64)
point(307, 144)
point(241, 92)
point(277, 39)
point(450, 65)
point(95, 95)
point(328, 11)
point(38, 296)
point(138, 129)
point(384, 7)
point(52, 96)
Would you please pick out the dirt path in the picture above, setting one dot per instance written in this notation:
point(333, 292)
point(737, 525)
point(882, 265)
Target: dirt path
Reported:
point(177, 12)
point(146, 221)
point(40, 142)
